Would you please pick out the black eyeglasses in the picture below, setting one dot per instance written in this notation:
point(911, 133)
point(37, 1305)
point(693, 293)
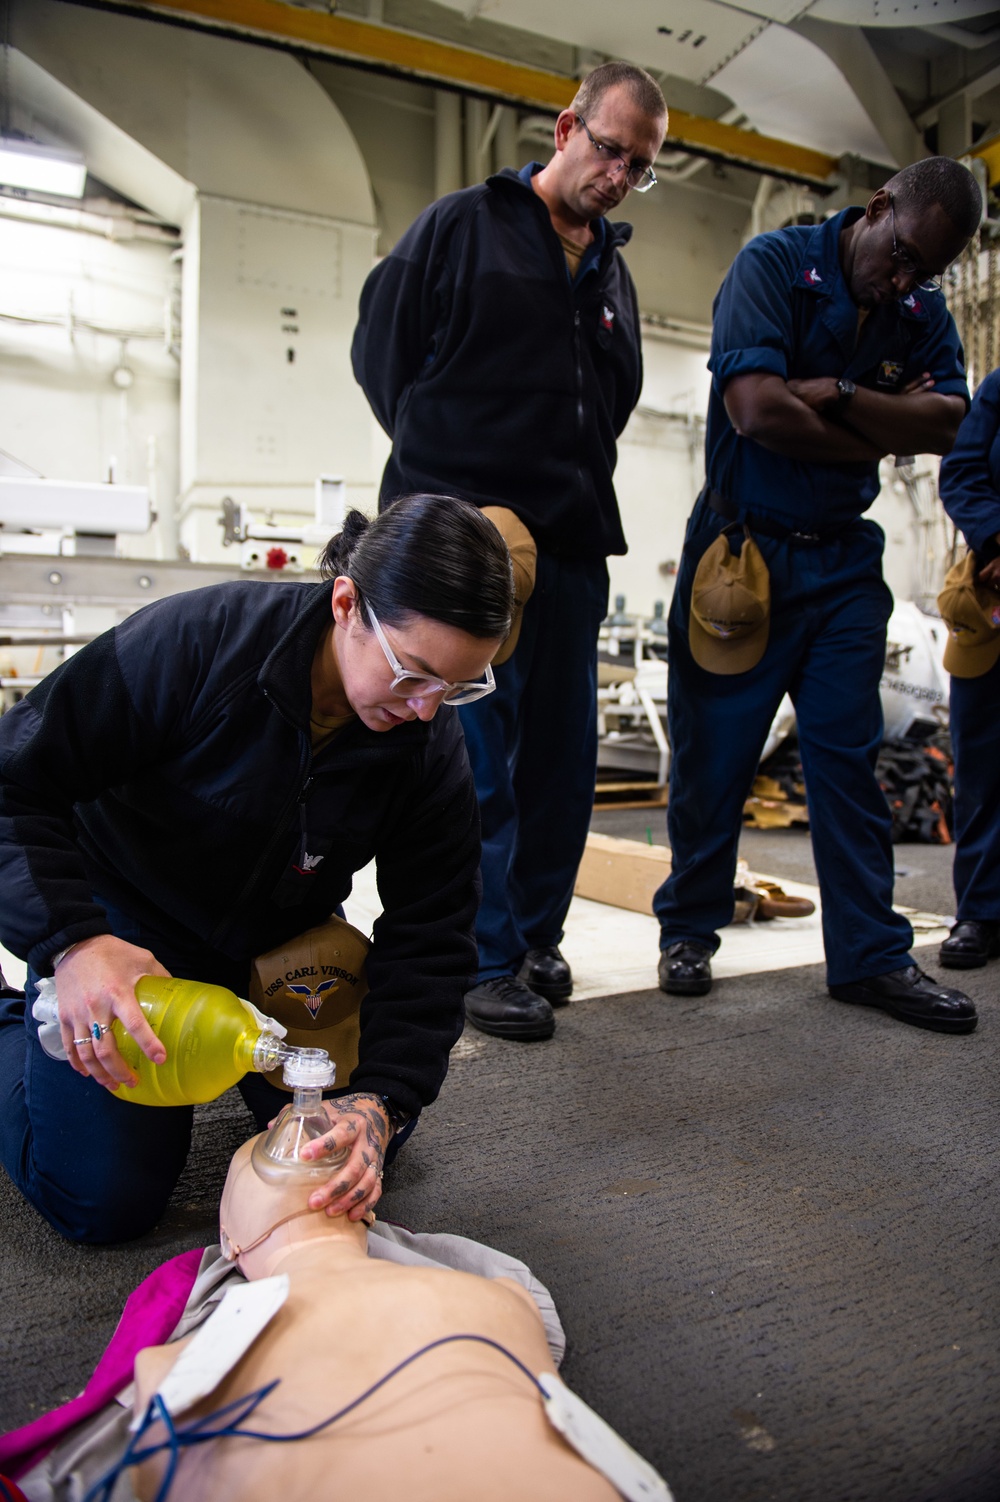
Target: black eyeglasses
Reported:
point(905, 263)
point(639, 179)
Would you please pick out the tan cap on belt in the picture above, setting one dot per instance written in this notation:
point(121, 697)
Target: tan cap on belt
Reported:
point(972, 614)
point(730, 607)
point(523, 556)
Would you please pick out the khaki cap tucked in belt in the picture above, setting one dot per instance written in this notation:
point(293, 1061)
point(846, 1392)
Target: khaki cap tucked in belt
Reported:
point(524, 557)
point(730, 607)
point(971, 612)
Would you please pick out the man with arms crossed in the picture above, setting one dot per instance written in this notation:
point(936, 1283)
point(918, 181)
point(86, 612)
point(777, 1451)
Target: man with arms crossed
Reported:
point(831, 347)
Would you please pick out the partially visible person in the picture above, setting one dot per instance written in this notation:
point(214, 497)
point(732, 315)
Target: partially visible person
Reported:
point(831, 347)
point(197, 787)
point(498, 344)
point(970, 489)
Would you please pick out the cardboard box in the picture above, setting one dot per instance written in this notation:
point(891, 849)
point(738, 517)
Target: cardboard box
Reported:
point(623, 873)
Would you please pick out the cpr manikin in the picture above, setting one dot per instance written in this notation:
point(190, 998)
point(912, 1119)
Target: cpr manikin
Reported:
point(460, 1422)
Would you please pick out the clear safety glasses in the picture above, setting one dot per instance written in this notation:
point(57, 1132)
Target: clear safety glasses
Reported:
point(638, 177)
point(410, 685)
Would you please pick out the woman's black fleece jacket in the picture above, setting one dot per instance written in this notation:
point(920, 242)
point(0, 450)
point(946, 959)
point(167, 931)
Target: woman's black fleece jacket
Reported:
point(161, 784)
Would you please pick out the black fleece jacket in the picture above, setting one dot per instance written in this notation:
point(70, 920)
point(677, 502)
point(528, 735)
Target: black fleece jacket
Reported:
point(164, 774)
point(497, 378)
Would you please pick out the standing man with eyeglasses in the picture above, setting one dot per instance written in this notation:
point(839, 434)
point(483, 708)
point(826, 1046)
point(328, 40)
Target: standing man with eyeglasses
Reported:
point(831, 347)
point(498, 345)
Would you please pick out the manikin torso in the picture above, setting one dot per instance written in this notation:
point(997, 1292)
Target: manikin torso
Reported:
point(461, 1423)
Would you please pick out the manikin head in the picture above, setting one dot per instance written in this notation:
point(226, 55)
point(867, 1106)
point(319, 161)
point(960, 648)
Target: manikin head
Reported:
point(259, 1223)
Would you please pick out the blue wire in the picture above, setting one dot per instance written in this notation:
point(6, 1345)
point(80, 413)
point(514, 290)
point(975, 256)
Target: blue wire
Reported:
point(102, 1489)
point(175, 1448)
point(443, 1341)
point(197, 1432)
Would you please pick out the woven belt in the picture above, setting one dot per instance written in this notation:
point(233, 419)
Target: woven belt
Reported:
point(766, 528)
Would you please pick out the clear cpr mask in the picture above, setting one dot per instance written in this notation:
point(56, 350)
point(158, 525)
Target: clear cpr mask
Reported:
point(276, 1157)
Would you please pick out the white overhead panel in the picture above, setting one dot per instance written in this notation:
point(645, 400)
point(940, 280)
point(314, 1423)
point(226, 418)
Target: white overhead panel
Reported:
point(220, 116)
point(773, 10)
point(789, 88)
point(688, 38)
point(782, 82)
point(52, 112)
point(899, 12)
point(867, 12)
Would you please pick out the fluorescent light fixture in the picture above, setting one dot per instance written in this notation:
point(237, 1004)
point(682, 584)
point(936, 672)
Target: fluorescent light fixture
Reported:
point(24, 164)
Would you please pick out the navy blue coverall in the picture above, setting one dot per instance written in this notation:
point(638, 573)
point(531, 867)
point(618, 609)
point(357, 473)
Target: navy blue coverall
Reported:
point(970, 490)
point(785, 309)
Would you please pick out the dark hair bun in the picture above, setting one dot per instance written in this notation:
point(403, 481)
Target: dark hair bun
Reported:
point(334, 557)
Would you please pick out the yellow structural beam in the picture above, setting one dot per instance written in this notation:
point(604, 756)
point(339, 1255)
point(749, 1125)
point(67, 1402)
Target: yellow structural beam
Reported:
point(762, 152)
point(422, 57)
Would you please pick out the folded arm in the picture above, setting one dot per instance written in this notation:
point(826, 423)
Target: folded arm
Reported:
point(766, 408)
point(917, 420)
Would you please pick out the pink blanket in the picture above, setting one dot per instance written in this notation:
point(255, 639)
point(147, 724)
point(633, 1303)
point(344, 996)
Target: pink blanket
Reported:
point(149, 1318)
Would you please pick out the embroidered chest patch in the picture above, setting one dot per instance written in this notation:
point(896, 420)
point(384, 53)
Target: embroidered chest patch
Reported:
point(890, 373)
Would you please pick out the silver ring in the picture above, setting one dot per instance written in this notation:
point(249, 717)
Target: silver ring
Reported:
point(78, 1041)
point(97, 1030)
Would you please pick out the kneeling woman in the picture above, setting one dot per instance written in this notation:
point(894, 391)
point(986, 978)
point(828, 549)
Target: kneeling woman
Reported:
point(200, 785)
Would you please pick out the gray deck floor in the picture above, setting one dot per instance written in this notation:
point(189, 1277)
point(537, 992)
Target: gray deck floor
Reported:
point(769, 1221)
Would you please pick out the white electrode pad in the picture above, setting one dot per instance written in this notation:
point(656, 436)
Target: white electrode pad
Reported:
point(220, 1342)
point(598, 1443)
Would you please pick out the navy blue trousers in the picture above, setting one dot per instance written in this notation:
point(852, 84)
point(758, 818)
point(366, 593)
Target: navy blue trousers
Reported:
point(975, 739)
point(826, 648)
point(533, 749)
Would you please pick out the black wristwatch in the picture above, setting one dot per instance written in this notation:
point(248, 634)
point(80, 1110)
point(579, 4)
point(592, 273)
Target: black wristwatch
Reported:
point(846, 390)
point(397, 1116)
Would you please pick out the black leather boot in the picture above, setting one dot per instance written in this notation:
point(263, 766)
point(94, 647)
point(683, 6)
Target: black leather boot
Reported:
point(685, 969)
point(506, 1008)
point(547, 974)
point(970, 944)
